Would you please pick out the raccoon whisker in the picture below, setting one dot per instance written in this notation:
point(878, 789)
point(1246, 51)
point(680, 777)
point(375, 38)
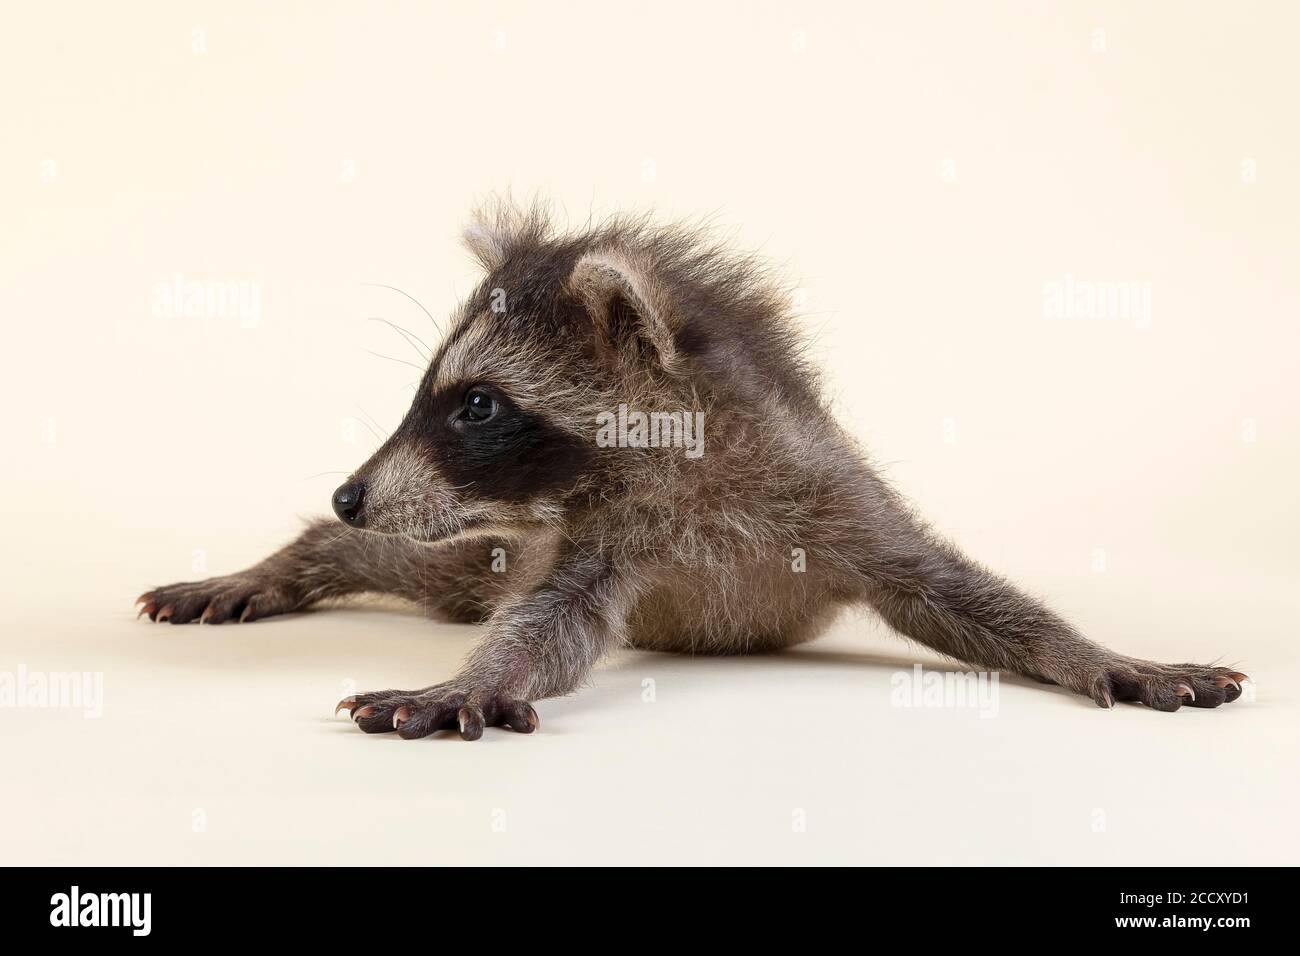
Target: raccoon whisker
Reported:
point(380, 285)
point(392, 359)
point(373, 421)
point(373, 428)
point(341, 535)
point(410, 337)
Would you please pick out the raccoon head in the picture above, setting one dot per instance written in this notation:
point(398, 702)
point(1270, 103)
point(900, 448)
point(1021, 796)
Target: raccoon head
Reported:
point(501, 435)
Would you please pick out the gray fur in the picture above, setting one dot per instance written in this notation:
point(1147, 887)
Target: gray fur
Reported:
point(644, 546)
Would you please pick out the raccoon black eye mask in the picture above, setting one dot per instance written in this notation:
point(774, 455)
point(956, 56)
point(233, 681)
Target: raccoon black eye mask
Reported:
point(493, 502)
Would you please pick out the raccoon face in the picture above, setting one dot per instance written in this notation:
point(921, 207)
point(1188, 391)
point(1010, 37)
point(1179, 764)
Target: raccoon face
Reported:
point(483, 449)
point(502, 433)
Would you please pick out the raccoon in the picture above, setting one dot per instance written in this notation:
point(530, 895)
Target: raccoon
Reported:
point(621, 441)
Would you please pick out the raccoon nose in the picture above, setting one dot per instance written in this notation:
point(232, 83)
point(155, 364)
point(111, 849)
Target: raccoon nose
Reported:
point(347, 504)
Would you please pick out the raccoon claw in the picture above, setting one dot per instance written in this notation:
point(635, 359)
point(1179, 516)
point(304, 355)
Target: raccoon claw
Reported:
point(1103, 697)
point(1166, 687)
point(417, 714)
point(470, 721)
point(237, 597)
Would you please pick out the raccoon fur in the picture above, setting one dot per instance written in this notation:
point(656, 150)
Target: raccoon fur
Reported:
point(724, 512)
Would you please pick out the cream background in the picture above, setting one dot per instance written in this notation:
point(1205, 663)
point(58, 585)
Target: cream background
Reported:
point(823, 134)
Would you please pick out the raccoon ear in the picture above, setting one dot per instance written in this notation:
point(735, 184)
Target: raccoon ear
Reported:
point(630, 306)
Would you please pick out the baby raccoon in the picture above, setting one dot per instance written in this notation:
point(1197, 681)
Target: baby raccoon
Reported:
point(619, 441)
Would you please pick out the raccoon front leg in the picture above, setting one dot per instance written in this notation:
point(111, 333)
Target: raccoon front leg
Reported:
point(541, 644)
point(927, 590)
point(328, 561)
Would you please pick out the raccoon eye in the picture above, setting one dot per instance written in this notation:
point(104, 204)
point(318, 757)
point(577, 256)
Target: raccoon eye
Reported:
point(479, 405)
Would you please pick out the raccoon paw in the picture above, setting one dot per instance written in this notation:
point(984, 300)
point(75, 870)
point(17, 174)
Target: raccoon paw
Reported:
point(1165, 686)
point(443, 707)
point(236, 597)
